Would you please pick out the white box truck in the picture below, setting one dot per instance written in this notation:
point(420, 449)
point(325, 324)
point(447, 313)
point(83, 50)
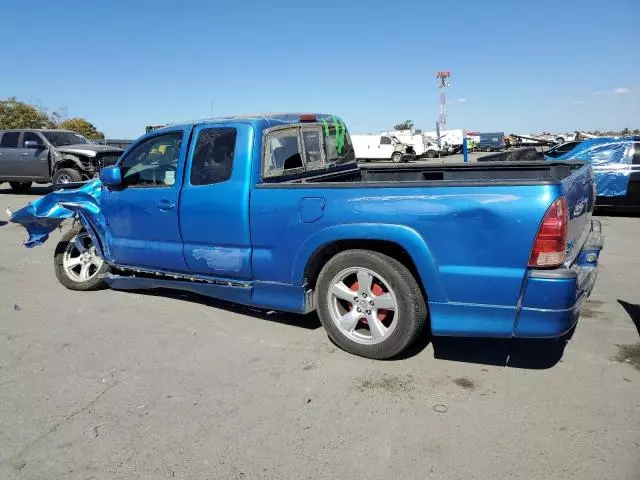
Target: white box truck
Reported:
point(382, 147)
point(450, 140)
point(422, 144)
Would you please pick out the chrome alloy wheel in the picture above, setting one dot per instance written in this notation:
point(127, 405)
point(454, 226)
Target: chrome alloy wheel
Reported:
point(80, 260)
point(363, 305)
point(63, 178)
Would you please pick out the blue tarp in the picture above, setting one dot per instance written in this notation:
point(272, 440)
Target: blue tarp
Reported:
point(611, 161)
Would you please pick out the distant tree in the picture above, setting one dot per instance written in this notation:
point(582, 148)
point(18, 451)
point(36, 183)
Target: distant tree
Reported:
point(636, 131)
point(17, 114)
point(625, 131)
point(406, 125)
point(83, 127)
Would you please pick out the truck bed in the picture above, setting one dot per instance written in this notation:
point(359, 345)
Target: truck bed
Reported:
point(494, 173)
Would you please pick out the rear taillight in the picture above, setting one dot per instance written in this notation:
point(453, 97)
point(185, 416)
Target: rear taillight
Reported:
point(550, 247)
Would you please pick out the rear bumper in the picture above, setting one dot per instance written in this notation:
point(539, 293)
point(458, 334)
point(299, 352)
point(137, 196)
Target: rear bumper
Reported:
point(552, 299)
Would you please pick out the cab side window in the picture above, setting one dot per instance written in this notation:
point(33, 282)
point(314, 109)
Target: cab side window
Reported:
point(31, 137)
point(154, 162)
point(213, 156)
point(9, 140)
point(385, 141)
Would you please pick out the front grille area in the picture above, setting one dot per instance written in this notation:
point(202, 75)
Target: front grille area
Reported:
point(107, 160)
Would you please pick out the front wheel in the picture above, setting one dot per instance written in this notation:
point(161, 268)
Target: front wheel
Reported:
point(76, 263)
point(20, 187)
point(431, 154)
point(396, 157)
point(370, 304)
point(66, 175)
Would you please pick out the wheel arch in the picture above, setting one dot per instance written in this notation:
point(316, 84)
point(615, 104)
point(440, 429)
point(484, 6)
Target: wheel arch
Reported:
point(397, 241)
point(69, 161)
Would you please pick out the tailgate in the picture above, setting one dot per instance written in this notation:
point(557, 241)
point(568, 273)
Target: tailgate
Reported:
point(579, 190)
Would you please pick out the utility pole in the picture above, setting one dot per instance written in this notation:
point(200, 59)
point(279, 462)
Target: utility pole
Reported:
point(443, 82)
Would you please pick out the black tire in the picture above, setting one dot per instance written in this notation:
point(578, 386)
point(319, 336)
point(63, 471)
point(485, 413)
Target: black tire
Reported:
point(66, 175)
point(396, 157)
point(93, 283)
point(411, 308)
point(431, 154)
point(488, 149)
point(20, 187)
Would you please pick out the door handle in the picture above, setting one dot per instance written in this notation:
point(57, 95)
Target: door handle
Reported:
point(24, 154)
point(165, 205)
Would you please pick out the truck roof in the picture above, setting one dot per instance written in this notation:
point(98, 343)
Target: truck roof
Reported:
point(261, 120)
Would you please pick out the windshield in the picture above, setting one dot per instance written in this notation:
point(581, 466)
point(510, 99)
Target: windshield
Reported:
point(60, 139)
point(561, 149)
point(395, 139)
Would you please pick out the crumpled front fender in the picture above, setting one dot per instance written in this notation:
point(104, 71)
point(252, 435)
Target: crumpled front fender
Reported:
point(44, 215)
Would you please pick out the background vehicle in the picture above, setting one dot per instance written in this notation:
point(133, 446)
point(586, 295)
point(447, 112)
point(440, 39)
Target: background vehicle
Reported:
point(382, 147)
point(615, 162)
point(275, 212)
point(423, 146)
point(490, 142)
point(450, 140)
point(50, 156)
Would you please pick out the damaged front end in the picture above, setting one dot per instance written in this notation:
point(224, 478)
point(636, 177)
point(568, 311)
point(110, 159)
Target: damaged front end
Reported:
point(44, 215)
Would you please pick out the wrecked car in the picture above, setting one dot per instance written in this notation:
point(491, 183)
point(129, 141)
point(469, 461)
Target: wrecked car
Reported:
point(274, 212)
point(50, 156)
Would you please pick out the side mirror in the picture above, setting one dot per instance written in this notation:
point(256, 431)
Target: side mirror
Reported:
point(111, 176)
point(34, 144)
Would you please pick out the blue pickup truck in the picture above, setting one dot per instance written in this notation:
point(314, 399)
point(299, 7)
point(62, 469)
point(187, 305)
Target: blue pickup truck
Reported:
point(274, 212)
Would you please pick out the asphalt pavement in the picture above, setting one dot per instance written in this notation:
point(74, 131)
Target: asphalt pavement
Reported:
point(124, 385)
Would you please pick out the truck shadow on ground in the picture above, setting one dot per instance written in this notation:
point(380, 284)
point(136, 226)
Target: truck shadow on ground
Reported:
point(310, 321)
point(32, 192)
point(633, 311)
point(3, 223)
point(538, 354)
point(516, 353)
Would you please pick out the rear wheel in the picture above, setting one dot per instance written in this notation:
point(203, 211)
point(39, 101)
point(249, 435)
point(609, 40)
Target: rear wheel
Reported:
point(370, 304)
point(396, 157)
point(20, 187)
point(66, 175)
point(76, 263)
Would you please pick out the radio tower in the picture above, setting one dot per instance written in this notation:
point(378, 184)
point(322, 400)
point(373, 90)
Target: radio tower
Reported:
point(443, 83)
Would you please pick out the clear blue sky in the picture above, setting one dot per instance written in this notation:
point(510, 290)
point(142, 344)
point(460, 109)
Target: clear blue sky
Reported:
point(516, 66)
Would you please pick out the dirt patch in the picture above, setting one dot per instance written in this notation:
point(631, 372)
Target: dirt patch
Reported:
point(590, 308)
point(629, 354)
point(388, 383)
point(309, 366)
point(465, 382)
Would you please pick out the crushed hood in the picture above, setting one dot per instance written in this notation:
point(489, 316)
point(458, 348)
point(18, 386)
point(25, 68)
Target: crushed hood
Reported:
point(44, 215)
point(88, 149)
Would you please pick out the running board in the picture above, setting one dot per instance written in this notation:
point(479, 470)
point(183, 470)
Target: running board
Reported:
point(225, 291)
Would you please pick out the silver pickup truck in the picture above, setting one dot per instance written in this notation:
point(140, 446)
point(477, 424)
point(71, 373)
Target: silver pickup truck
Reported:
point(50, 156)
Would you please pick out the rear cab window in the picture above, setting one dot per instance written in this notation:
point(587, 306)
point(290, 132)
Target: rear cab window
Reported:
point(297, 149)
